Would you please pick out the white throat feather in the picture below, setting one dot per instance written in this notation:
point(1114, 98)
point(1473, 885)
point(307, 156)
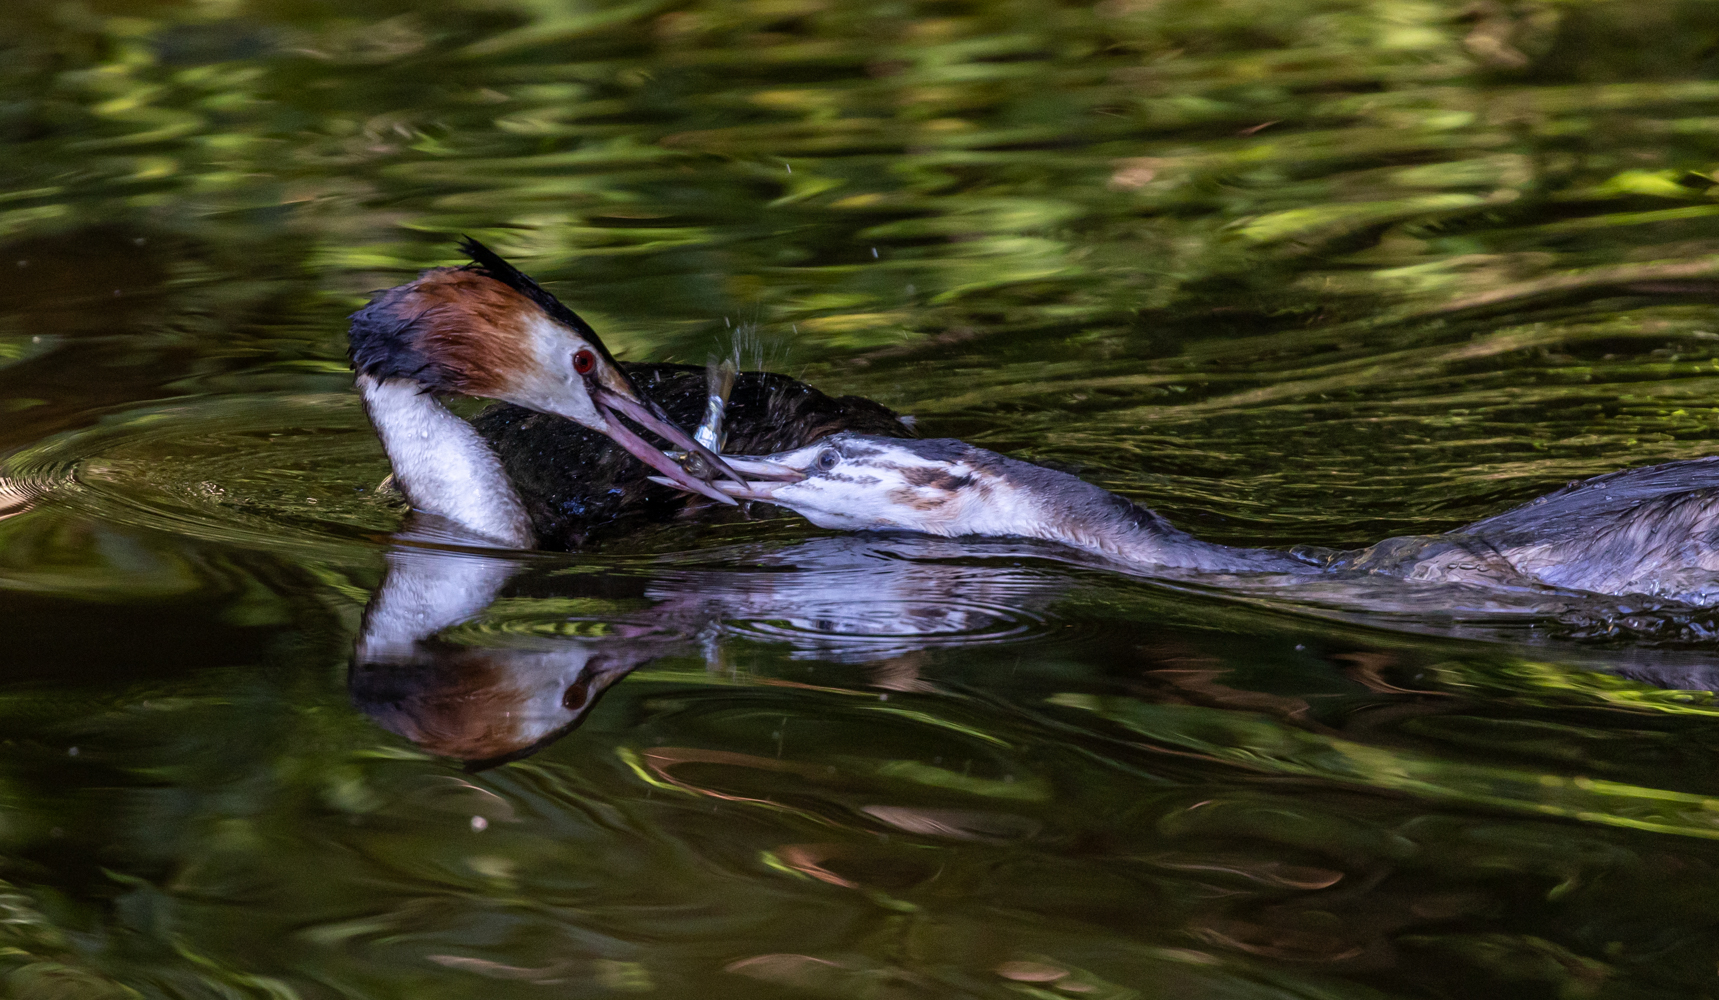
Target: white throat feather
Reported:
point(443, 465)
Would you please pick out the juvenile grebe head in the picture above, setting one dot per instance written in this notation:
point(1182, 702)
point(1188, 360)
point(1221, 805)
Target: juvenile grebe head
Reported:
point(935, 486)
point(486, 329)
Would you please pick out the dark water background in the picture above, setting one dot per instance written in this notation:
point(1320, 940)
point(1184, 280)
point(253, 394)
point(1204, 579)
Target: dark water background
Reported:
point(1290, 271)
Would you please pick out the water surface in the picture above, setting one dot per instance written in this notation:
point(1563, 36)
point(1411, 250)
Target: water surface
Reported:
point(1310, 272)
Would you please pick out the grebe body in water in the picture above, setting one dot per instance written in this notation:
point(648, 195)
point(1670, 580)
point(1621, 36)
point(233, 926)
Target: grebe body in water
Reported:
point(573, 481)
point(1652, 531)
point(555, 459)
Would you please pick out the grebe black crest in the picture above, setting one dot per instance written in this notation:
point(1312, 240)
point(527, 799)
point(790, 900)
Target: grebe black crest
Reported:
point(557, 459)
point(1651, 531)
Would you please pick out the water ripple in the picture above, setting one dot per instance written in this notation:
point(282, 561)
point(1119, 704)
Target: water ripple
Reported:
point(258, 471)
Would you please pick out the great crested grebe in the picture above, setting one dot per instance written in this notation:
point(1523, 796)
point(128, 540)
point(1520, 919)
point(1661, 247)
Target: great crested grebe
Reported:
point(521, 475)
point(1652, 531)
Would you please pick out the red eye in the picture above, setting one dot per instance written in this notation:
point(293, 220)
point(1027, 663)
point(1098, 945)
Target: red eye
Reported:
point(584, 361)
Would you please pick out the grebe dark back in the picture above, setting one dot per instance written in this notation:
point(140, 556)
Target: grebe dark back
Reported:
point(1652, 531)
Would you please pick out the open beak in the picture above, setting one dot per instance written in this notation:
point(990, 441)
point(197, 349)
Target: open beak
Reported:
point(614, 405)
point(763, 479)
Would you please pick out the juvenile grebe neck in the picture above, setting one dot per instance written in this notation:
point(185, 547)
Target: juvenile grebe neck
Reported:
point(950, 488)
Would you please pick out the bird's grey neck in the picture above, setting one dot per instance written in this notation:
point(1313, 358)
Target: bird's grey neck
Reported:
point(443, 465)
point(1079, 514)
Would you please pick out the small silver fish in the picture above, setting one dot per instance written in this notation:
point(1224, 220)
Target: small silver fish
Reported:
point(711, 433)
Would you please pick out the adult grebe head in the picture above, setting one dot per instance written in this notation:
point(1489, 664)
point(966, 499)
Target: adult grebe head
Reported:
point(486, 329)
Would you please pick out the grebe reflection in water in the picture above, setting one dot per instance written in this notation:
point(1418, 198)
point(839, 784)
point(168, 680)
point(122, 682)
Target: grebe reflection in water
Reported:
point(440, 663)
point(432, 666)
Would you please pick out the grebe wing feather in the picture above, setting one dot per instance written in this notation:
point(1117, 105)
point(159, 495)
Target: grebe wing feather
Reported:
point(1651, 531)
point(1593, 504)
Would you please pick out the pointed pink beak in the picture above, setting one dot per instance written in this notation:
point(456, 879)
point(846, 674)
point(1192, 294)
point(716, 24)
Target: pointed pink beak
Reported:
point(652, 419)
point(763, 479)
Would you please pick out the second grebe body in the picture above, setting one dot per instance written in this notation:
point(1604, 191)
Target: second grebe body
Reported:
point(1651, 531)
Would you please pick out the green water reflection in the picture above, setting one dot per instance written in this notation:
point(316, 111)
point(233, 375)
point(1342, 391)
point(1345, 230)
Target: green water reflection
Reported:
point(1309, 272)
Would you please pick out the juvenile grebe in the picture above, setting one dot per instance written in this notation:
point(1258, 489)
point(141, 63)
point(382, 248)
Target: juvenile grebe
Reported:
point(521, 475)
point(1652, 531)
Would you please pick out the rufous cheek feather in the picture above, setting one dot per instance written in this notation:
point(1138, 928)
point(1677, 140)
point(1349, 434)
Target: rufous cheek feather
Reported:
point(451, 329)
